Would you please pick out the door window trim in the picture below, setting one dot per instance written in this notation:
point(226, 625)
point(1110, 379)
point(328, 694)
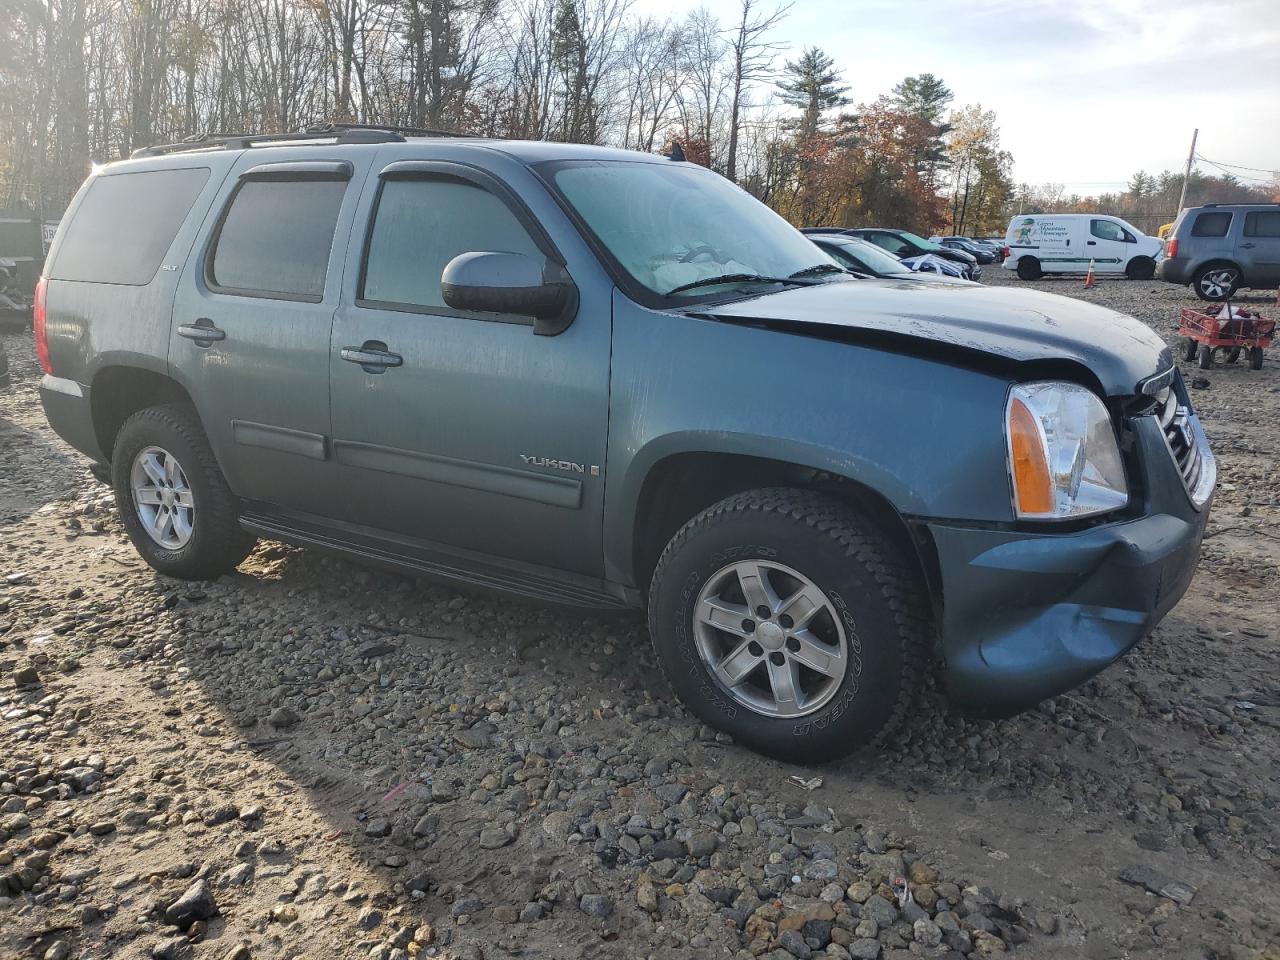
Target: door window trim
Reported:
point(287, 172)
point(446, 170)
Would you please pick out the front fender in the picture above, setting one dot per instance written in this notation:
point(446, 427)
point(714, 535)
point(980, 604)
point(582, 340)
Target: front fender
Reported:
point(926, 435)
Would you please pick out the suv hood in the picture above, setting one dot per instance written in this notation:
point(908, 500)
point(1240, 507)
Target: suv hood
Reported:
point(1021, 326)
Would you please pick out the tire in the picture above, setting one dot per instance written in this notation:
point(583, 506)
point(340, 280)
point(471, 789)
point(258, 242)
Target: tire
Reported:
point(1189, 348)
point(1255, 358)
point(1216, 281)
point(1029, 269)
point(1231, 355)
point(208, 541)
point(1140, 268)
point(872, 612)
point(1205, 356)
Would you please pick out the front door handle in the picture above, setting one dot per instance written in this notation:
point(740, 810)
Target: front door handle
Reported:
point(373, 356)
point(1092, 243)
point(1247, 246)
point(203, 332)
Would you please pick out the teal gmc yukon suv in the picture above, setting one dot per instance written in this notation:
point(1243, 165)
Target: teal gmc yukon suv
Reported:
point(612, 379)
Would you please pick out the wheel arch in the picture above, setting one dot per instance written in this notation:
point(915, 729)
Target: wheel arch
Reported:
point(119, 391)
point(680, 484)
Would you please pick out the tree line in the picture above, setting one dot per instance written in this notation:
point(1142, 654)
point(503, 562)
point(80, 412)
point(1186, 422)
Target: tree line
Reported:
point(91, 80)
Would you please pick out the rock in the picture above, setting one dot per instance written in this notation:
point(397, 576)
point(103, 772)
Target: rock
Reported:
point(531, 912)
point(24, 677)
point(171, 948)
point(58, 950)
point(368, 918)
point(988, 944)
point(822, 870)
point(596, 905)
point(921, 872)
point(668, 850)
point(283, 716)
point(866, 948)
point(196, 903)
point(880, 910)
point(703, 844)
point(505, 914)
point(379, 648)
point(646, 894)
point(927, 933)
point(559, 824)
point(792, 942)
point(466, 907)
point(491, 838)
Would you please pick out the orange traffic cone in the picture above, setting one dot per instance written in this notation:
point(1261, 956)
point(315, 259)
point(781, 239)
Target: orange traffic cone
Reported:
point(1089, 282)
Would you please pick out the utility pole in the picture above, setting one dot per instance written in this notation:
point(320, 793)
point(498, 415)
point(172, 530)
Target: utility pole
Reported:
point(1191, 159)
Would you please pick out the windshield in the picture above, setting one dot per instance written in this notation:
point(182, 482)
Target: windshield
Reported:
point(670, 226)
point(921, 241)
point(873, 256)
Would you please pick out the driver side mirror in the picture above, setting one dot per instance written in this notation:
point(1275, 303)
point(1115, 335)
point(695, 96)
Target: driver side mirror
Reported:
point(511, 283)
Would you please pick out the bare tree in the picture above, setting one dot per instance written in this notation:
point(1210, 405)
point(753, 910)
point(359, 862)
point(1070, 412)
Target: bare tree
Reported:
point(752, 56)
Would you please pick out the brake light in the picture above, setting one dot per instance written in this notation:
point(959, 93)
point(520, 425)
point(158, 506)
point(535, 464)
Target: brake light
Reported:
point(1173, 247)
point(1005, 253)
point(37, 323)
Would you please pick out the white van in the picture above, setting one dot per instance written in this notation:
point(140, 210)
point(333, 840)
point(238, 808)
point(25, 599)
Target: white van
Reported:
point(1037, 244)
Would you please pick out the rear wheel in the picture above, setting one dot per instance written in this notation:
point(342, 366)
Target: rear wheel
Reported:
point(174, 503)
point(1205, 356)
point(1140, 268)
point(1029, 269)
point(1255, 358)
point(1231, 355)
point(1189, 347)
point(1217, 281)
point(791, 622)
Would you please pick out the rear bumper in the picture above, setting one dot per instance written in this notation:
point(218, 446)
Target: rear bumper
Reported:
point(1027, 616)
point(1175, 270)
point(66, 406)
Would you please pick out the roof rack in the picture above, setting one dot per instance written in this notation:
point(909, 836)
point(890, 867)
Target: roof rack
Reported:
point(340, 132)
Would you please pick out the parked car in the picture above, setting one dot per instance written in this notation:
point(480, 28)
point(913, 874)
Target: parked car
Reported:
point(4, 368)
point(981, 252)
point(15, 308)
point(440, 354)
point(931, 263)
point(866, 258)
point(1222, 248)
point(1070, 242)
point(903, 244)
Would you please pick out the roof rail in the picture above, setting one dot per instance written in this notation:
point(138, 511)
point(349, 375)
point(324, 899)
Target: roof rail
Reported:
point(340, 132)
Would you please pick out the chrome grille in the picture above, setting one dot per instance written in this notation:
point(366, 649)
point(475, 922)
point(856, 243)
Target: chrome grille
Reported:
point(1175, 422)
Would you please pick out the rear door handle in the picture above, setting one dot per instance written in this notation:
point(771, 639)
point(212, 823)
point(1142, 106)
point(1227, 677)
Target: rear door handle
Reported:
point(373, 356)
point(203, 332)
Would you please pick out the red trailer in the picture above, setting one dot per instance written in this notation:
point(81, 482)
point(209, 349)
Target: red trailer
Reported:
point(1243, 330)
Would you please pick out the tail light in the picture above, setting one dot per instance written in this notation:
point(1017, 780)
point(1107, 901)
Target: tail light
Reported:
point(1173, 247)
point(37, 323)
point(1005, 253)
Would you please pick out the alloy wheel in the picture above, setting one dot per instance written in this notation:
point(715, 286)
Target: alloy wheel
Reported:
point(1219, 283)
point(162, 497)
point(771, 638)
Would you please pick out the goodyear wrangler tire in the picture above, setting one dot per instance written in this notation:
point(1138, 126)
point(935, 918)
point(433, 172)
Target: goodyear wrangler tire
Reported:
point(791, 622)
point(173, 500)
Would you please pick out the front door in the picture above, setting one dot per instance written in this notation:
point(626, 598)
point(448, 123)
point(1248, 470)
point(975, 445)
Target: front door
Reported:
point(251, 325)
point(1258, 251)
point(1109, 245)
point(466, 429)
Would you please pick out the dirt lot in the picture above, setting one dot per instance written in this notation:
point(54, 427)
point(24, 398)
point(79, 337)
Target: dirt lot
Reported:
point(310, 759)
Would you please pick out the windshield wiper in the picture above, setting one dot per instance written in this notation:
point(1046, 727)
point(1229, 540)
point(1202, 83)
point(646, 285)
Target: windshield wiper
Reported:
point(816, 269)
point(737, 278)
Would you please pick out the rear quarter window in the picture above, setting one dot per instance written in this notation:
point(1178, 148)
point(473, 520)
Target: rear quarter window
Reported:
point(1215, 224)
point(125, 225)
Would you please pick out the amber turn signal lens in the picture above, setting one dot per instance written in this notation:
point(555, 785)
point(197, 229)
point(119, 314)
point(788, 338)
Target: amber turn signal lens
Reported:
point(1032, 489)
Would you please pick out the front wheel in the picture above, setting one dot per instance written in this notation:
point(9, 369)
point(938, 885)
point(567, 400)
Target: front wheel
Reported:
point(1255, 358)
point(1140, 268)
point(1189, 348)
point(174, 503)
point(1205, 356)
point(791, 622)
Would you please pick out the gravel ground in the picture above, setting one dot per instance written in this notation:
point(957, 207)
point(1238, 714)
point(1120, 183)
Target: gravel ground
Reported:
point(310, 759)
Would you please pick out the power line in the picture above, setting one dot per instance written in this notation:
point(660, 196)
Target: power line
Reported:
point(1238, 176)
point(1237, 166)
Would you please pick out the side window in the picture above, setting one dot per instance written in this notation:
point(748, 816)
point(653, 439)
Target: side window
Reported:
point(423, 223)
point(1262, 223)
point(1215, 224)
point(275, 238)
point(1106, 230)
point(125, 225)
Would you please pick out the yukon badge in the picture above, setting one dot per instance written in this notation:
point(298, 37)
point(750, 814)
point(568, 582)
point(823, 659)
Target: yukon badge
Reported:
point(568, 466)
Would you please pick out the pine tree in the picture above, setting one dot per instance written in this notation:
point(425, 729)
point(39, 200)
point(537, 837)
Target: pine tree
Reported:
point(925, 98)
point(813, 85)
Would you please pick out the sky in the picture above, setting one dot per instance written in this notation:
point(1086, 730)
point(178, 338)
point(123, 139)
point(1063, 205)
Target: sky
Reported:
point(1087, 92)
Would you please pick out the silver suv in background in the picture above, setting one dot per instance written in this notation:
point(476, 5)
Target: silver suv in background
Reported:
point(1222, 248)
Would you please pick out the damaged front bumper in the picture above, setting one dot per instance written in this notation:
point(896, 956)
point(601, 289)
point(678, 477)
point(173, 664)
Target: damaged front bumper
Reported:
point(1028, 615)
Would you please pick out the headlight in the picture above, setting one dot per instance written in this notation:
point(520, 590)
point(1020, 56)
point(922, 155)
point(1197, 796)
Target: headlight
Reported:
point(1063, 457)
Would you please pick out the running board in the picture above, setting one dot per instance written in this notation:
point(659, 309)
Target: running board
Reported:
point(523, 580)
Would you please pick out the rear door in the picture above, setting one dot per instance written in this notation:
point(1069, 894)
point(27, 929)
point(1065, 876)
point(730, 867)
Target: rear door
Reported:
point(1258, 251)
point(252, 318)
